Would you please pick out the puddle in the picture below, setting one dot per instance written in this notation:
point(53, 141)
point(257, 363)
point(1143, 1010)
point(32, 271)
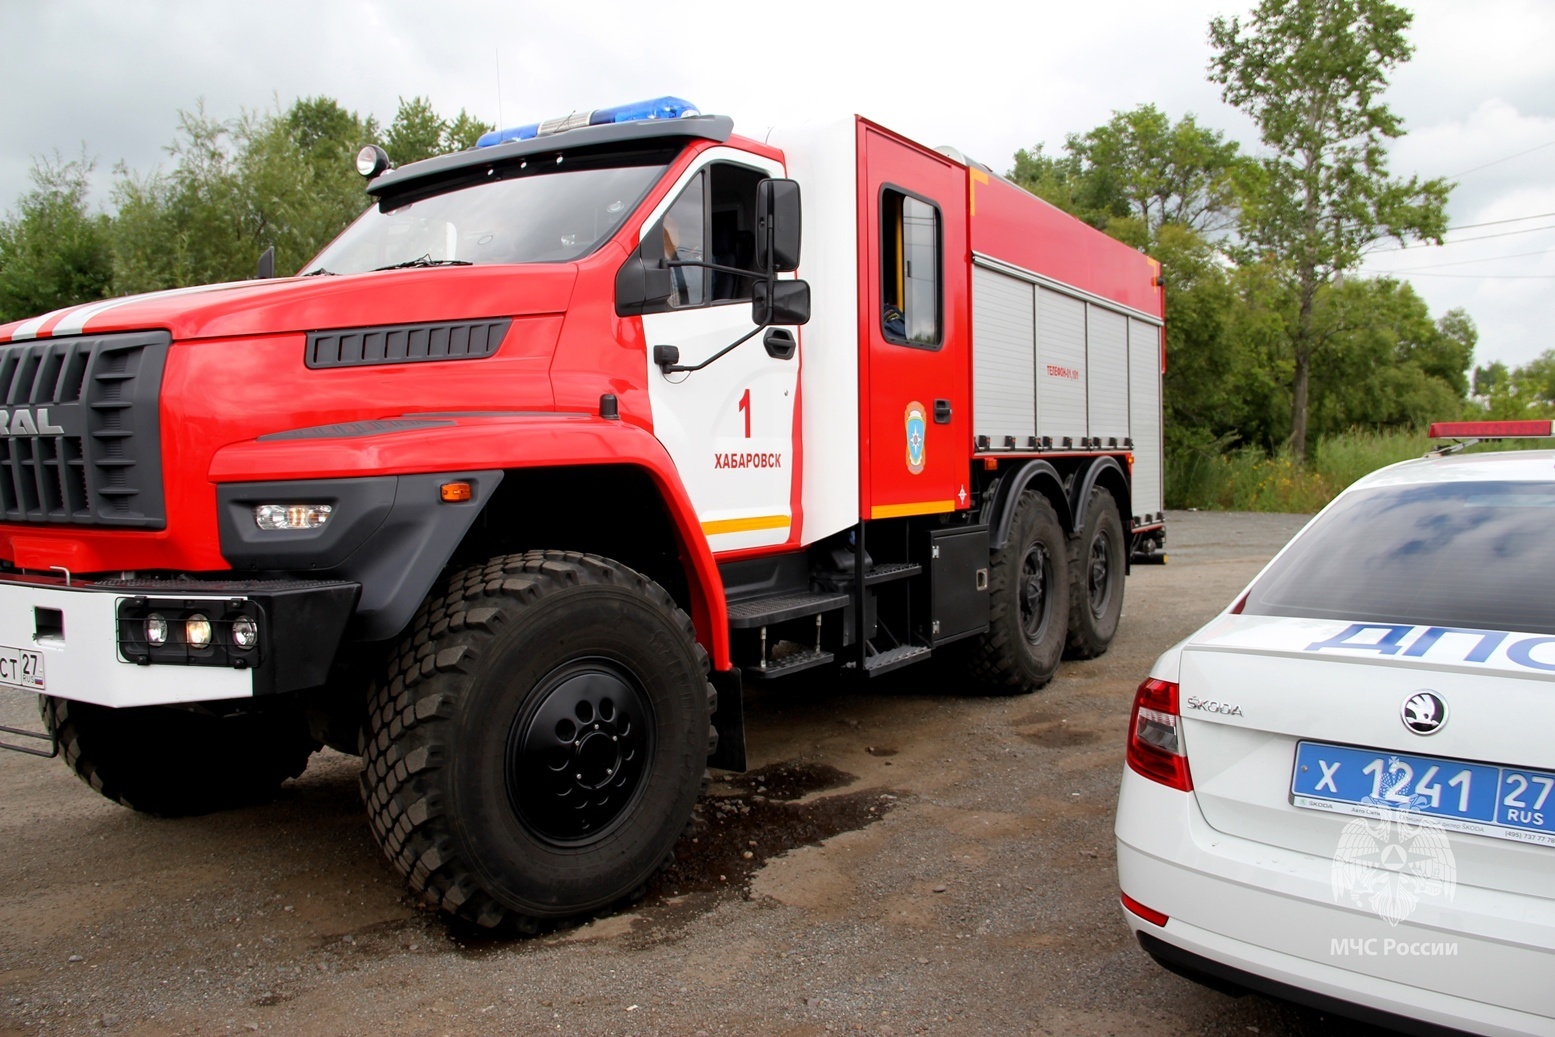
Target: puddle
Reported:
point(742, 823)
point(1054, 732)
point(736, 832)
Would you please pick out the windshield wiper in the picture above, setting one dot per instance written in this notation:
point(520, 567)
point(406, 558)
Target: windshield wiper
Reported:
point(319, 271)
point(424, 261)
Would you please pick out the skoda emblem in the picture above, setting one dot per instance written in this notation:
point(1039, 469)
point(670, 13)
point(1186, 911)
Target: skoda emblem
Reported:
point(1424, 712)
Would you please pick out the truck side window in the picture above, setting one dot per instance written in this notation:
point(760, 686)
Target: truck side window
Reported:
point(713, 221)
point(733, 238)
point(910, 267)
point(685, 238)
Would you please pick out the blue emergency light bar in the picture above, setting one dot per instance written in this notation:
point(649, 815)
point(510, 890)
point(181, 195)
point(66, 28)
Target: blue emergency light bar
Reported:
point(657, 108)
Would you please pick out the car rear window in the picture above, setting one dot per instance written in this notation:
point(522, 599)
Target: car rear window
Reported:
point(1461, 554)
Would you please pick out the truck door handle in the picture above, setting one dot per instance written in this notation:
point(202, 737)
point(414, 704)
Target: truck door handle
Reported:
point(780, 344)
point(942, 412)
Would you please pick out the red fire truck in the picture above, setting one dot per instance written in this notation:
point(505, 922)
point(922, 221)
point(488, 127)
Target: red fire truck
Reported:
point(518, 483)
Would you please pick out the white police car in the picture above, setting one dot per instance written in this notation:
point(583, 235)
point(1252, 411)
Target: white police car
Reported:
point(1341, 791)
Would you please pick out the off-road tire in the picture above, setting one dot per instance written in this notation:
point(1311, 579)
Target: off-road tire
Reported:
point(467, 768)
point(1028, 603)
point(179, 762)
point(1096, 599)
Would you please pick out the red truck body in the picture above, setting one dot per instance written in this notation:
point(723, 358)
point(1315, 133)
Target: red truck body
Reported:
point(945, 440)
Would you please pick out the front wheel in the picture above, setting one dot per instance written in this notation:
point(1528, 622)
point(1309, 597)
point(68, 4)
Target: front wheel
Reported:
point(540, 741)
point(1028, 602)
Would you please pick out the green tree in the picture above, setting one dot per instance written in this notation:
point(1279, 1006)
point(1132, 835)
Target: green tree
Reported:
point(1136, 173)
point(1065, 182)
point(416, 133)
point(1387, 364)
point(1160, 172)
point(1310, 74)
point(464, 131)
point(186, 226)
point(284, 180)
point(53, 251)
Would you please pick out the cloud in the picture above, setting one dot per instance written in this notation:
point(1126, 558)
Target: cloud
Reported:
point(988, 79)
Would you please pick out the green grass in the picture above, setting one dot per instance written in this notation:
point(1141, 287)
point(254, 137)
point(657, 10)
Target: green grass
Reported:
point(1250, 480)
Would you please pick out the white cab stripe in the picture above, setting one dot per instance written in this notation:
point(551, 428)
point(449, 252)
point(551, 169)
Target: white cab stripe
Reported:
point(76, 321)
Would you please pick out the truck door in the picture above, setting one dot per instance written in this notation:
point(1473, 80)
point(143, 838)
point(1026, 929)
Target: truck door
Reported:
point(915, 377)
point(729, 426)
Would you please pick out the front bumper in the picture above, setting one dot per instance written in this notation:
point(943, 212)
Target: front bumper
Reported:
point(68, 640)
point(1479, 962)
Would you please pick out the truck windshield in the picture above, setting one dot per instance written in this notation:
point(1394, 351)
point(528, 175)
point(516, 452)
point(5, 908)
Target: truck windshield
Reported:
point(540, 211)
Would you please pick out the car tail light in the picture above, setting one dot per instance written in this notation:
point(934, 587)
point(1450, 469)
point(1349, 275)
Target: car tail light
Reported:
point(1150, 915)
point(1155, 747)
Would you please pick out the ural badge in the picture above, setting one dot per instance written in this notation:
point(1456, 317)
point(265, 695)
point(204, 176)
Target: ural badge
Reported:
point(917, 426)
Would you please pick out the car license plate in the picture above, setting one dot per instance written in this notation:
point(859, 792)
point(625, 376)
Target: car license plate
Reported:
point(1505, 802)
point(21, 668)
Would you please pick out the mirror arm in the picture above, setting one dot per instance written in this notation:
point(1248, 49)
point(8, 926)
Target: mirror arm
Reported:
point(709, 266)
point(672, 368)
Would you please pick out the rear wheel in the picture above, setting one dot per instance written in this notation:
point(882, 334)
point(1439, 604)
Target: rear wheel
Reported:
point(540, 741)
point(1028, 602)
point(1097, 599)
point(176, 762)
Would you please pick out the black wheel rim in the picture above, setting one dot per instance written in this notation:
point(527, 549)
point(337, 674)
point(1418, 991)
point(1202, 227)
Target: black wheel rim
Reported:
point(1036, 572)
point(1099, 573)
point(577, 755)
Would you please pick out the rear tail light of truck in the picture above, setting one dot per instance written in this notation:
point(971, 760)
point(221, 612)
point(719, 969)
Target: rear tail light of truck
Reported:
point(1155, 748)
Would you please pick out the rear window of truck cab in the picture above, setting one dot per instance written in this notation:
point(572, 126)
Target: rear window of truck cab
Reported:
point(1463, 554)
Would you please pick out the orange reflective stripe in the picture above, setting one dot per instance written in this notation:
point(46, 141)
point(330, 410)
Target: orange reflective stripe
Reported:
point(744, 525)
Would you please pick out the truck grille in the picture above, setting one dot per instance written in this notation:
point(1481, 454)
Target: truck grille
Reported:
point(80, 440)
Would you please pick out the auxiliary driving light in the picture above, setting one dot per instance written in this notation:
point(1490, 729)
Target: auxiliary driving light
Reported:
point(245, 632)
point(156, 629)
point(197, 631)
point(275, 517)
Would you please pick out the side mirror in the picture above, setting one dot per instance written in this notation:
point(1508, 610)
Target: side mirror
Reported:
point(642, 279)
point(780, 302)
point(777, 226)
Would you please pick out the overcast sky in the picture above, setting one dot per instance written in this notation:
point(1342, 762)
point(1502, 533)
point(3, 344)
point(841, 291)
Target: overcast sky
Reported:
point(1478, 99)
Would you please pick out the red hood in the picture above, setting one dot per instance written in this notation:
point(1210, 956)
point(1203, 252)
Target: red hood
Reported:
point(294, 304)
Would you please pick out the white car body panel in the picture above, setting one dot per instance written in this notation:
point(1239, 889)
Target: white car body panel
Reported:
point(1252, 877)
point(1272, 913)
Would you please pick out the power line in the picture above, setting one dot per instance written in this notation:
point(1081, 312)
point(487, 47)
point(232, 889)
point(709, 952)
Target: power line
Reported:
point(1467, 262)
point(1497, 223)
point(1493, 277)
point(1497, 162)
point(1464, 241)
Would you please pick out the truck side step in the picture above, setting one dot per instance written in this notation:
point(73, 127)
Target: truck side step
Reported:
point(791, 663)
point(760, 612)
point(891, 659)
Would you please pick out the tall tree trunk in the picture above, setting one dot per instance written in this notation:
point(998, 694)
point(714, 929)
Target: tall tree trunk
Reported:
point(1298, 406)
point(1302, 351)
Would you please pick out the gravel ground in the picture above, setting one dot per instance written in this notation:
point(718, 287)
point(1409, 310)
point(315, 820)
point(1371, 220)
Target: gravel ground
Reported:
point(905, 858)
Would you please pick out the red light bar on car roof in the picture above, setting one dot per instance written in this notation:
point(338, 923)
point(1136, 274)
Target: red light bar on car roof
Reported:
point(1491, 429)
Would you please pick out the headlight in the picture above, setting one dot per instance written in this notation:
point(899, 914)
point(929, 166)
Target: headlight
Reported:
point(274, 517)
point(156, 629)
